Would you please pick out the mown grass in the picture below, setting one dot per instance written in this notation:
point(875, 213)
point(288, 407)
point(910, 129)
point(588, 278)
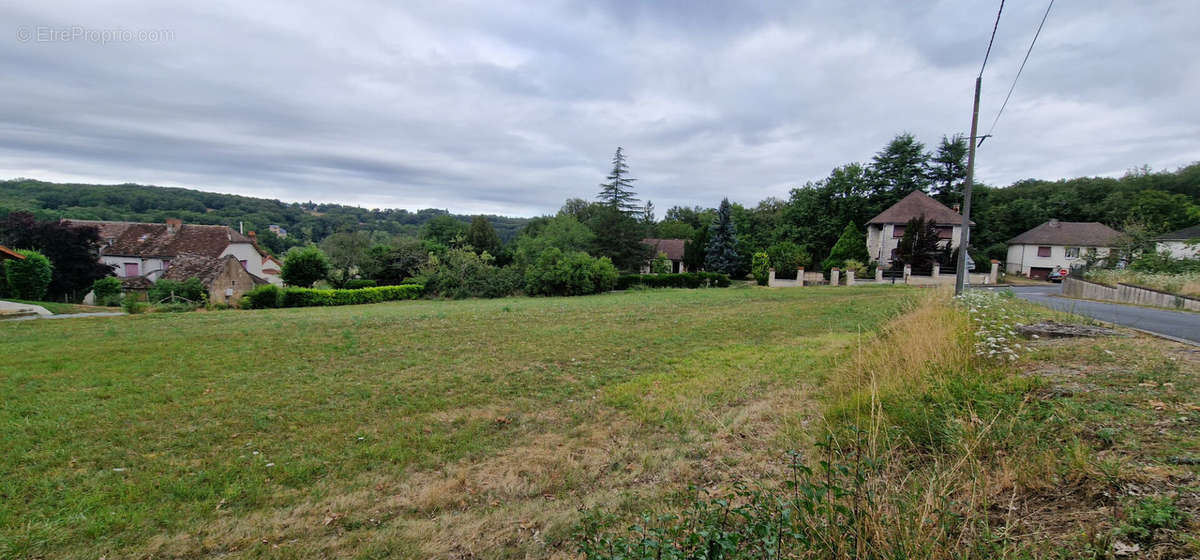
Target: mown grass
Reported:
point(412, 429)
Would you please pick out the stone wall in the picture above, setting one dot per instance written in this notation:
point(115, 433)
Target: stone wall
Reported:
point(1127, 293)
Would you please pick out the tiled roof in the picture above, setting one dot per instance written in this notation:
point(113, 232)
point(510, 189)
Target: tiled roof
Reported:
point(1185, 234)
point(1054, 232)
point(207, 269)
point(131, 239)
point(672, 247)
point(915, 205)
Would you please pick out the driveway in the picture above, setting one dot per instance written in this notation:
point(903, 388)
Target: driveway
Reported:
point(13, 309)
point(1179, 324)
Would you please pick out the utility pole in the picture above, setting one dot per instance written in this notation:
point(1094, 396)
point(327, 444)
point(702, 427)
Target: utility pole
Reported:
point(964, 240)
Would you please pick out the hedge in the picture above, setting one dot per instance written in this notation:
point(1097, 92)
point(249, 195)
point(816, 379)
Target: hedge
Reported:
point(307, 297)
point(683, 280)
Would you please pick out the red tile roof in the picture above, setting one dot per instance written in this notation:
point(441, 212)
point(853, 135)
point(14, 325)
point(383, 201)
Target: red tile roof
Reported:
point(915, 205)
point(1054, 232)
point(132, 239)
point(672, 247)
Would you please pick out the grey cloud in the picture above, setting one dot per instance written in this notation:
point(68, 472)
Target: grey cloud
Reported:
point(511, 108)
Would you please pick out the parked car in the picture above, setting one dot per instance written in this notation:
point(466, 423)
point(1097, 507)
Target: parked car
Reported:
point(1058, 274)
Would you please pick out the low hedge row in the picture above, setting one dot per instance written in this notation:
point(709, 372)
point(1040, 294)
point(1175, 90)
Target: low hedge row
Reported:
point(683, 280)
point(274, 296)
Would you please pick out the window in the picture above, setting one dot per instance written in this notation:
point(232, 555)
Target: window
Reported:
point(945, 232)
point(166, 265)
point(1072, 252)
point(131, 270)
point(897, 231)
point(243, 264)
point(1043, 251)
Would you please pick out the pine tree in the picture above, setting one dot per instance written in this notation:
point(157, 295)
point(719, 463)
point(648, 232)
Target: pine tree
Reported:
point(919, 245)
point(618, 191)
point(648, 213)
point(900, 168)
point(852, 245)
point(948, 169)
point(721, 254)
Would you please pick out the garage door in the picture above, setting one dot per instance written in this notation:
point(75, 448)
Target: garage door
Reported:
point(1039, 272)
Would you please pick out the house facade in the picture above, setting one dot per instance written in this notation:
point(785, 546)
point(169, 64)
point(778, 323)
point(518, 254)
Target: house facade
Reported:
point(1182, 244)
point(145, 250)
point(1058, 245)
point(672, 248)
point(885, 230)
point(225, 279)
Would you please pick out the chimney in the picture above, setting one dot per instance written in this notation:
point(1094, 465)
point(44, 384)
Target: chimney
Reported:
point(253, 237)
point(1053, 222)
point(173, 225)
point(957, 207)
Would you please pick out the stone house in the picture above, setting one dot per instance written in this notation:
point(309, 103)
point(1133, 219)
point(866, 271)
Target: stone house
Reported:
point(1060, 245)
point(135, 249)
point(225, 278)
point(885, 230)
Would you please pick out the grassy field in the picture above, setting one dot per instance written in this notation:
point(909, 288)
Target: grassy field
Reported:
point(414, 429)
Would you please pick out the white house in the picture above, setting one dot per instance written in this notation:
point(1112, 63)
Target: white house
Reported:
point(144, 250)
point(885, 230)
point(1056, 244)
point(1182, 244)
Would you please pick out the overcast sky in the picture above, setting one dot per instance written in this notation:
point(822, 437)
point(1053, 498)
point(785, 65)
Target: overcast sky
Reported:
point(505, 108)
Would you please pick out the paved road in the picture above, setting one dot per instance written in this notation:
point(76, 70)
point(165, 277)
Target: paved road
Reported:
point(1179, 324)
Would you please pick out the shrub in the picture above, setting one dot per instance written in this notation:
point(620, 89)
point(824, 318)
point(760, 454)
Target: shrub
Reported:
point(459, 273)
point(28, 278)
point(132, 304)
point(304, 266)
point(262, 297)
point(660, 265)
point(760, 267)
point(308, 297)
point(1149, 515)
point(683, 280)
point(558, 273)
point(358, 283)
point(166, 290)
point(107, 291)
point(786, 257)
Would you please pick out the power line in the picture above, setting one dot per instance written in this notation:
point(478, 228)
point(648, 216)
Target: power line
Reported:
point(989, 49)
point(1018, 76)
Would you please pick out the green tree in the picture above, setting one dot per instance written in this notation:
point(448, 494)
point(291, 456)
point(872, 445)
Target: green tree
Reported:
point(444, 230)
point(761, 268)
point(347, 251)
point(392, 265)
point(900, 168)
point(919, 245)
point(107, 291)
point(482, 237)
point(786, 257)
point(562, 232)
point(558, 273)
point(304, 266)
point(851, 245)
point(948, 170)
point(618, 236)
point(618, 192)
point(660, 265)
point(694, 250)
point(28, 278)
point(721, 253)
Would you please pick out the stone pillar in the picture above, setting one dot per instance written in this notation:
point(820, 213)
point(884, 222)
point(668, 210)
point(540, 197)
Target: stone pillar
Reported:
point(834, 277)
point(850, 274)
point(907, 272)
point(994, 273)
point(879, 273)
point(770, 277)
point(800, 276)
point(937, 271)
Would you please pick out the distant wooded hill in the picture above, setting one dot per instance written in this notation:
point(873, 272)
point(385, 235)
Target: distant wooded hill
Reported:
point(306, 221)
